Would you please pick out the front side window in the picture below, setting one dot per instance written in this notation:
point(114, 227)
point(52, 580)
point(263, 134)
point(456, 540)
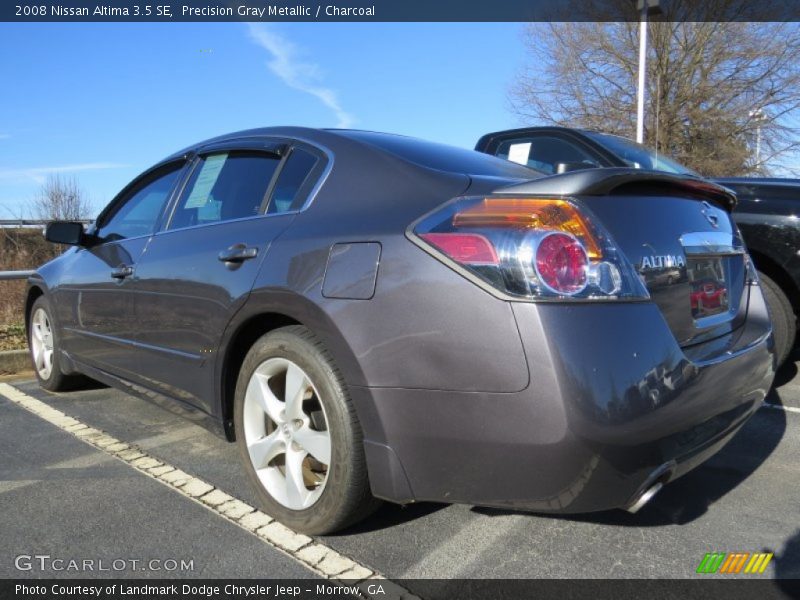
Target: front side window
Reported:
point(225, 186)
point(137, 215)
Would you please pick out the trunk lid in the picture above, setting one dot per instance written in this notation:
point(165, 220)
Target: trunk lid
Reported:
point(677, 233)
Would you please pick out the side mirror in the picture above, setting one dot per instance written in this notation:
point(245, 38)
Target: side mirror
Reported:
point(566, 167)
point(65, 232)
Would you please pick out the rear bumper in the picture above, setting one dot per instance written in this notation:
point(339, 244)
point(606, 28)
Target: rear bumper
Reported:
point(614, 404)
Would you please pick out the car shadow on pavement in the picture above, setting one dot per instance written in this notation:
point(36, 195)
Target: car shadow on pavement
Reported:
point(81, 383)
point(390, 515)
point(787, 566)
point(689, 497)
point(788, 371)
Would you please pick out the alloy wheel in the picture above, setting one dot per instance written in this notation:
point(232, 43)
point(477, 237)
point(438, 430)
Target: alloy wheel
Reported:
point(42, 343)
point(286, 433)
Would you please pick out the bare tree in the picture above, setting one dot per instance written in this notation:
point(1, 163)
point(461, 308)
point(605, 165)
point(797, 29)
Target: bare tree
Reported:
point(61, 199)
point(715, 91)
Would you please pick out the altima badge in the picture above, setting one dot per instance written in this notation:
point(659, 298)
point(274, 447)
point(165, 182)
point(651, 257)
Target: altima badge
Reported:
point(662, 261)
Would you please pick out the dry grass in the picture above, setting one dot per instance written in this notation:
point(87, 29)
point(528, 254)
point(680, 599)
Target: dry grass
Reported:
point(12, 337)
point(20, 249)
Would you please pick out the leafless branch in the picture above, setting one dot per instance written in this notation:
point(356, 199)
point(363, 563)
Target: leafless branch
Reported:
point(61, 199)
point(717, 86)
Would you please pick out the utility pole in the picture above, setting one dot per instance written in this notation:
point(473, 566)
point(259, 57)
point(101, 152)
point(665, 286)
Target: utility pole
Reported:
point(645, 8)
point(758, 115)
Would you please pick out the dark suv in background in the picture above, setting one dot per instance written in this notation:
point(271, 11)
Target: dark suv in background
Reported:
point(767, 211)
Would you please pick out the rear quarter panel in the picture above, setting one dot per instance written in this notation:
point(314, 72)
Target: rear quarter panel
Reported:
point(426, 326)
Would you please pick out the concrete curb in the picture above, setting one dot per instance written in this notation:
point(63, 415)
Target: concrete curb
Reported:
point(14, 361)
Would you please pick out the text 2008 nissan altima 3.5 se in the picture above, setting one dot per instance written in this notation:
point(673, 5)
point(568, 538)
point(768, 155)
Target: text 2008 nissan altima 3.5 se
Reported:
point(371, 316)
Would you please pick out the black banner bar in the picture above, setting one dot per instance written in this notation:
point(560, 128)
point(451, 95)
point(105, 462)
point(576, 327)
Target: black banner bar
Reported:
point(394, 10)
point(730, 588)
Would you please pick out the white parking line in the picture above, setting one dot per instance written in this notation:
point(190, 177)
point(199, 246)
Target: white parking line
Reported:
point(473, 535)
point(313, 554)
point(792, 409)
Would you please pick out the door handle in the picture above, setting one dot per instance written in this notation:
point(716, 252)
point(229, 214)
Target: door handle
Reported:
point(238, 253)
point(121, 272)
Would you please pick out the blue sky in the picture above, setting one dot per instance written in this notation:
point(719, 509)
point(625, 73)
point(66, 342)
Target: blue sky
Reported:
point(105, 101)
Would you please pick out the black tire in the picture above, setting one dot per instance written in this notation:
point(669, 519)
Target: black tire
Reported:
point(346, 497)
point(784, 321)
point(57, 380)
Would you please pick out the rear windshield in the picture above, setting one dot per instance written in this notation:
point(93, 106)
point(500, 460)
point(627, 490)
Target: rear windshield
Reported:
point(441, 156)
point(637, 155)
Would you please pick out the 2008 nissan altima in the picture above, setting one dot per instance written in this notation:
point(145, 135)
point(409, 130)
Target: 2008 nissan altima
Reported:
point(371, 316)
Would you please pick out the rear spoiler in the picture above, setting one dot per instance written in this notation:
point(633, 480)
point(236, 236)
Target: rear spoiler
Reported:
point(603, 182)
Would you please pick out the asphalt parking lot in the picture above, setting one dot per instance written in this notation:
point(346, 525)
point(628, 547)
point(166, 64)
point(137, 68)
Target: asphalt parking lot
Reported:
point(61, 496)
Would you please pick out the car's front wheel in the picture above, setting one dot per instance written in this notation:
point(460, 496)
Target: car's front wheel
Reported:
point(298, 435)
point(44, 348)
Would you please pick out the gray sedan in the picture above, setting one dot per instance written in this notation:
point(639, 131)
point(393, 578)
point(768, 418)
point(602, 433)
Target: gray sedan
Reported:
point(371, 316)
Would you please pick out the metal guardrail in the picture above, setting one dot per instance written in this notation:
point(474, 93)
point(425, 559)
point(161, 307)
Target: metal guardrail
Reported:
point(16, 223)
point(9, 275)
point(13, 223)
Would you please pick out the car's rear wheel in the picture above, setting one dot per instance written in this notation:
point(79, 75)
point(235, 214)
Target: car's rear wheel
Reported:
point(298, 435)
point(784, 322)
point(45, 352)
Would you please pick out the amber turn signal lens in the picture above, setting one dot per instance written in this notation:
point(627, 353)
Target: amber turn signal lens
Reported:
point(545, 214)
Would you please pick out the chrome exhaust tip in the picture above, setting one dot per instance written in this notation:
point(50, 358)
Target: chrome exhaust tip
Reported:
point(644, 498)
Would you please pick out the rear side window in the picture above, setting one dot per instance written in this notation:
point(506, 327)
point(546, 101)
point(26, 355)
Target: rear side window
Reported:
point(225, 186)
point(294, 182)
point(138, 214)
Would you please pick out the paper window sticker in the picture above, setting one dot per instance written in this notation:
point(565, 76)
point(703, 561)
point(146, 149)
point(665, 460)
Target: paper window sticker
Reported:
point(519, 153)
point(209, 173)
point(211, 212)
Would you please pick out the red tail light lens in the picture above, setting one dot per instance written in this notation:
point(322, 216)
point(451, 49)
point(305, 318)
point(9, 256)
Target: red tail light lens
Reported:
point(529, 248)
point(562, 263)
point(465, 248)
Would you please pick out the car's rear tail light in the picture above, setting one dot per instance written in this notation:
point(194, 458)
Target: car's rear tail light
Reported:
point(530, 248)
point(465, 248)
point(528, 213)
point(562, 263)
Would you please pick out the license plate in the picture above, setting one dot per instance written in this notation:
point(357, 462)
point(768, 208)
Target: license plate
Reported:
point(709, 286)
